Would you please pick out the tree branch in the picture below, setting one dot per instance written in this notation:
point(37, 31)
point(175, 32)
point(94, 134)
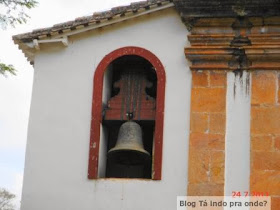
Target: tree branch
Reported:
point(7, 68)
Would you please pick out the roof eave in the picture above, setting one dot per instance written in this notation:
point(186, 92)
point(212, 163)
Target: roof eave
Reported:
point(29, 42)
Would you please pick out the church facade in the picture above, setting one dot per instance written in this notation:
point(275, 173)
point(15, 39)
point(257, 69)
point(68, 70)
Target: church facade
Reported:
point(137, 105)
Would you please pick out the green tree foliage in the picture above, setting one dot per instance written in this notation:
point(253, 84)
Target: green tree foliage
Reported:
point(4, 69)
point(6, 199)
point(13, 12)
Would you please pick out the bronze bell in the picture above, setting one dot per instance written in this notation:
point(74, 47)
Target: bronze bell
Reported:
point(129, 149)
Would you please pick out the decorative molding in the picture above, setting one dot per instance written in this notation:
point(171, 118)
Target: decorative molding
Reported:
point(235, 44)
point(189, 22)
point(228, 8)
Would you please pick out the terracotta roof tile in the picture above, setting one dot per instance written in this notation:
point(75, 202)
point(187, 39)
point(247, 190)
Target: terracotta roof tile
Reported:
point(86, 20)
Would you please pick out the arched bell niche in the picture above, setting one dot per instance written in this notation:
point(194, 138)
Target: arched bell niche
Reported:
point(129, 88)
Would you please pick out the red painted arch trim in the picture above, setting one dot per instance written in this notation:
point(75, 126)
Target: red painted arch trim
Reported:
point(97, 108)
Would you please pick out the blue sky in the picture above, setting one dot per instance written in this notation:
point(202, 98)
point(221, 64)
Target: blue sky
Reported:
point(15, 91)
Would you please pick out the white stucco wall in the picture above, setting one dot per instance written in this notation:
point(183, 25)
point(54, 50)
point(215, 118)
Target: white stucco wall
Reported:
point(59, 129)
point(237, 147)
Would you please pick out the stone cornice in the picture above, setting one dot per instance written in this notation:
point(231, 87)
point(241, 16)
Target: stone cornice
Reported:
point(227, 8)
point(239, 43)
